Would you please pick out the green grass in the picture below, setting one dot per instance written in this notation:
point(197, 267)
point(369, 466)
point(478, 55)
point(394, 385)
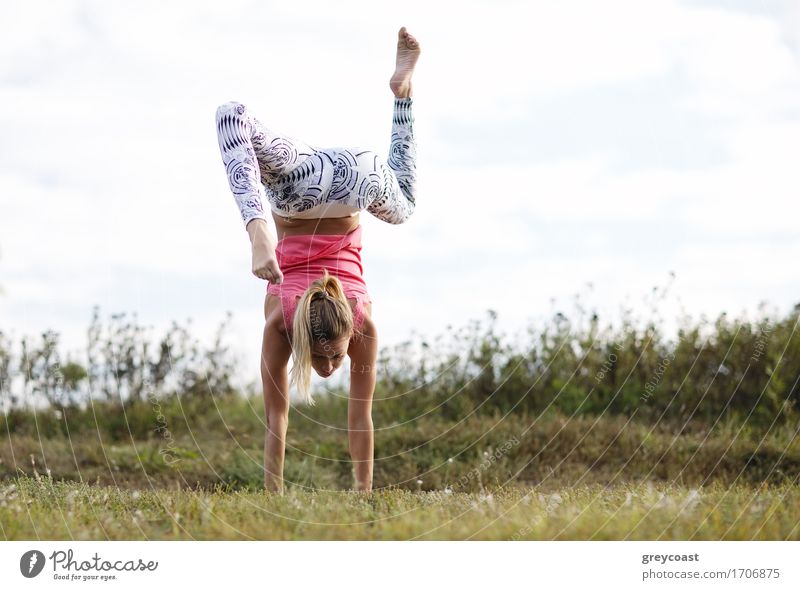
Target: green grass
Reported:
point(40, 508)
point(486, 476)
point(576, 429)
point(552, 451)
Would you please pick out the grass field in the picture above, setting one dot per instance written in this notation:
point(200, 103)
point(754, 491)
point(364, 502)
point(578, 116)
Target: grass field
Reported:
point(486, 477)
point(583, 435)
point(553, 452)
point(32, 508)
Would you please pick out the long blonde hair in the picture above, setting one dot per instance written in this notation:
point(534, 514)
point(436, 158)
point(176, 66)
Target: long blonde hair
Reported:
point(323, 314)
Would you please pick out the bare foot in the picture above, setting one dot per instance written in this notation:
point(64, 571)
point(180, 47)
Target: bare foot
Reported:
point(407, 54)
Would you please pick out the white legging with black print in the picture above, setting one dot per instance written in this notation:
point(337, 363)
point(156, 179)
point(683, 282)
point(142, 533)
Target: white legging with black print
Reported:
point(294, 176)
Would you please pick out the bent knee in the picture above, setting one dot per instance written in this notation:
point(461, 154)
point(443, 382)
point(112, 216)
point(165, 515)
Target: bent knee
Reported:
point(231, 107)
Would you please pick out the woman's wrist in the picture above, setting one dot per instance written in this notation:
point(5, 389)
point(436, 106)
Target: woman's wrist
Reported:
point(258, 231)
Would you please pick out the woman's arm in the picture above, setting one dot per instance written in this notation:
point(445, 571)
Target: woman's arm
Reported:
point(275, 354)
point(363, 353)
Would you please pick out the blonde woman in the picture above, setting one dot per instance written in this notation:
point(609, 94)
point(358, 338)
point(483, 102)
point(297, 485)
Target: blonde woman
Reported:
point(317, 308)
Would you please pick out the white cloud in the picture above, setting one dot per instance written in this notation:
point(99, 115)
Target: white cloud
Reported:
point(758, 192)
point(112, 188)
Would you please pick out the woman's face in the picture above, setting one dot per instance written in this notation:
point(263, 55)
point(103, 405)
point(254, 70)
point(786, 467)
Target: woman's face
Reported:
point(327, 356)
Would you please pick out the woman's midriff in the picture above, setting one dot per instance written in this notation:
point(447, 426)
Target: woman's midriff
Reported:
point(322, 226)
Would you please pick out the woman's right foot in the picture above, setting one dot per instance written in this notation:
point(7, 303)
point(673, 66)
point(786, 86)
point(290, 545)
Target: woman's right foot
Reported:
point(407, 54)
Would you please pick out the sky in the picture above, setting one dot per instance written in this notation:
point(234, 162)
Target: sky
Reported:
point(588, 148)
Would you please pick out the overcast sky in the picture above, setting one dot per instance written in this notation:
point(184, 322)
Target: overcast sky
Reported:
point(560, 144)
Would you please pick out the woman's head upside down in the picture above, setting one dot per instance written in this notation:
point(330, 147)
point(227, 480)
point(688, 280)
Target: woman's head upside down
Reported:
point(322, 327)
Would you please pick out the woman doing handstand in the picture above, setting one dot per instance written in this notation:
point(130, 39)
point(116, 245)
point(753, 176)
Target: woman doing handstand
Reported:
point(317, 307)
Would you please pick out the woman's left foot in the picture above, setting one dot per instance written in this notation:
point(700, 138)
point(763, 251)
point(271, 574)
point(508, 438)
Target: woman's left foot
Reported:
point(407, 54)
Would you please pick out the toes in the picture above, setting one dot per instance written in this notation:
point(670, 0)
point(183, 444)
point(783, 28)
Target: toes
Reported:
point(406, 39)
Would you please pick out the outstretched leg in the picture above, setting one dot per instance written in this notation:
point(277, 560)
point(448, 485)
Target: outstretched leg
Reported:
point(397, 200)
point(265, 168)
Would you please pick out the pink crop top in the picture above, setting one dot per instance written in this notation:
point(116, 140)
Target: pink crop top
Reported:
point(302, 259)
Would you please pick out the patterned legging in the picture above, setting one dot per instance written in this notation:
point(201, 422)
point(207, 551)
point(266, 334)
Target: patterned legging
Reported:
point(295, 176)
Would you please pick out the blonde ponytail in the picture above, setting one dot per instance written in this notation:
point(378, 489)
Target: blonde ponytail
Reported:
point(323, 314)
